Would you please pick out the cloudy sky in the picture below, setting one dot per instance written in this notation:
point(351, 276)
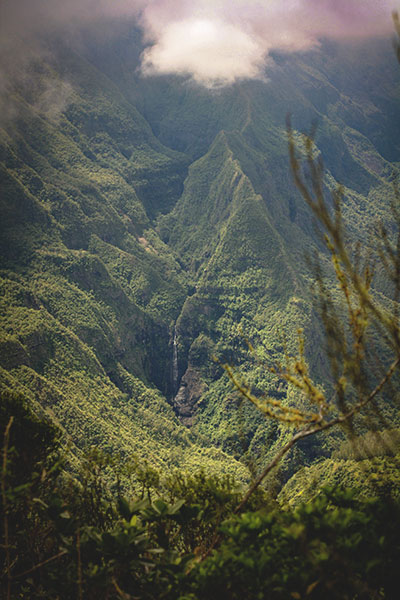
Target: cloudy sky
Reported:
point(214, 41)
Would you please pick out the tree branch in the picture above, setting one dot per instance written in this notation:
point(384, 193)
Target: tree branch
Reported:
point(5, 504)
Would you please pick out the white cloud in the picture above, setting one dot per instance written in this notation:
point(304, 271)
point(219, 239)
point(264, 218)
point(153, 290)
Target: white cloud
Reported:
point(218, 42)
point(214, 41)
point(212, 51)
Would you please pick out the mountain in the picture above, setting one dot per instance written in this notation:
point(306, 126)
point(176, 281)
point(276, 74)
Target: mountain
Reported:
point(150, 225)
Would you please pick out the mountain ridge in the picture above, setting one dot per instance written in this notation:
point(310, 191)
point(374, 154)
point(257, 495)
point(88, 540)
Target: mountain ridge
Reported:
point(151, 210)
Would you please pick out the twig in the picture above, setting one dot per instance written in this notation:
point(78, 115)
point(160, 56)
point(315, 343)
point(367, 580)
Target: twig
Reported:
point(38, 566)
point(121, 593)
point(306, 432)
point(78, 549)
point(5, 504)
point(312, 430)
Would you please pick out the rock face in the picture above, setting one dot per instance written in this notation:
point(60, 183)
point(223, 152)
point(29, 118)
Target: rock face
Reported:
point(191, 389)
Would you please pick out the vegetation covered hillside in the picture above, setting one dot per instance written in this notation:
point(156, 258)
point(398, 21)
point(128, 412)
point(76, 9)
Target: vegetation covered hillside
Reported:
point(89, 291)
point(152, 236)
point(149, 225)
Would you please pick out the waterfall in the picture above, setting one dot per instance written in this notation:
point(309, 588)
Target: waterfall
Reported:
point(174, 364)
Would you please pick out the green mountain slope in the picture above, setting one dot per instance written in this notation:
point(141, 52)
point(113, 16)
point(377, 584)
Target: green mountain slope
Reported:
point(88, 288)
point(149, 225)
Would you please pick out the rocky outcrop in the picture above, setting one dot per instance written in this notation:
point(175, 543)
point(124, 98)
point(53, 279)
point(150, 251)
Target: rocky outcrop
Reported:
point(192, 387)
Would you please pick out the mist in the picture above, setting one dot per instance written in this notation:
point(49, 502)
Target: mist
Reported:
point(215, 43)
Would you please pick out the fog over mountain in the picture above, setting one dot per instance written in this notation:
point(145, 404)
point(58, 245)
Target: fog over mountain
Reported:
point(214, 43)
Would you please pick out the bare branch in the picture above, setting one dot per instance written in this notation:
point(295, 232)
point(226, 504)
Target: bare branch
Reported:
point(5, 504)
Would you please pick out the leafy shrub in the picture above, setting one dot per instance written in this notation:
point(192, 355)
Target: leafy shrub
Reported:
point(335, 547)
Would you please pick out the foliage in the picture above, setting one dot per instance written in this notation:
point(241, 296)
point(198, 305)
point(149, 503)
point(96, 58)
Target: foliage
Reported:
point(358, 375)
point(332, 547)
point(62, 542)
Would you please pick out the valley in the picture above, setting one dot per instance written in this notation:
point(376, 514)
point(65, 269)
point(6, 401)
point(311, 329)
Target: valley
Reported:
point(151, 226)
point(199, 300)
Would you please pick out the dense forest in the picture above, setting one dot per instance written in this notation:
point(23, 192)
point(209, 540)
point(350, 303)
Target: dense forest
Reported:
point(199, 338)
